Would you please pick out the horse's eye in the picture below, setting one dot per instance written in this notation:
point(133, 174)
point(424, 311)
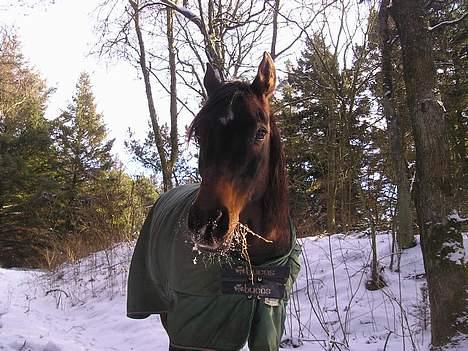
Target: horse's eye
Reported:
point(260, 134)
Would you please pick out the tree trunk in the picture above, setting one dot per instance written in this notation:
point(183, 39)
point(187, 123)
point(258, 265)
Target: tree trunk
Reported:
point(274, 35)
point(173, 93)
point(167, 180)
point(441, 240)
point(376, 281)
point(331, 173)
point(212, 39)
point(404, 217)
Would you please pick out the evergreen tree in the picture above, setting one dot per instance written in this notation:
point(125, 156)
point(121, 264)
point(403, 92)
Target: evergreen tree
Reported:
point(184, 170)
point(323, 124)
point(450, 59)
point(116, 208)
point(58, 177)
point(26, 171)
point(83, 152)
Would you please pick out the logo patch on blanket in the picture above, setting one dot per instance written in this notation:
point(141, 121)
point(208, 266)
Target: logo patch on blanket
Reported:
point(268, 282)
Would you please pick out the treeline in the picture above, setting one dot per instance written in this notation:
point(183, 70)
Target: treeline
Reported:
point(62, 194)
point(352, 157)
point(351, 163)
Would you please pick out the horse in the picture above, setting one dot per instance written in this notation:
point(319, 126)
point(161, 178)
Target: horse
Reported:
point(217, 260)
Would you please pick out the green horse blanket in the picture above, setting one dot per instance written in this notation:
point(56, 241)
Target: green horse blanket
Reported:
point(205, 309)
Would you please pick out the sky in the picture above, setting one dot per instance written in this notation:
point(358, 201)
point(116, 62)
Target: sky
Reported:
point(56, 40)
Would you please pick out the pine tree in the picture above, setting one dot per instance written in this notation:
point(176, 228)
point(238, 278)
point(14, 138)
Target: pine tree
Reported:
point(322, 123)
point(83, 152)
point(26, 171)
point(450, 53)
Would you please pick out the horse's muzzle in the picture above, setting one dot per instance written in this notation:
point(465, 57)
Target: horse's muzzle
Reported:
point(209, 227)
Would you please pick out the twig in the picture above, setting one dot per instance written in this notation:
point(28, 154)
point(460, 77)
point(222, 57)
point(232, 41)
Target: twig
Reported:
point(336, 292)
point(57, 290)
point(386, 340)
point(239, 234)
point(447, 23)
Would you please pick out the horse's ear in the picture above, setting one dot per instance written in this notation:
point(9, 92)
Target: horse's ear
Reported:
point(211, 80)
point(265, 81)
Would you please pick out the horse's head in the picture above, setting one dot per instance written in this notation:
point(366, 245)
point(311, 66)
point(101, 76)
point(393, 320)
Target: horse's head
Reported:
point(240, 159)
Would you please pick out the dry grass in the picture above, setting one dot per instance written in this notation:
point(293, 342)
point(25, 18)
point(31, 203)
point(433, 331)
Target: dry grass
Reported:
point(236, 244)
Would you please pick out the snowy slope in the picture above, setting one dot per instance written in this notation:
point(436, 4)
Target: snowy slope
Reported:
point(79, 307)
point(82, 306)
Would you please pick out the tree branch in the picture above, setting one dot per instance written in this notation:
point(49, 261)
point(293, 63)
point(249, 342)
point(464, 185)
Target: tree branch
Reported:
point(448, 23)
point(180, 9)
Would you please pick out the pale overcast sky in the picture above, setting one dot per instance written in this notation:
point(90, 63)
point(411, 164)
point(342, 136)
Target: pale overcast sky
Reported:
point(56, 40)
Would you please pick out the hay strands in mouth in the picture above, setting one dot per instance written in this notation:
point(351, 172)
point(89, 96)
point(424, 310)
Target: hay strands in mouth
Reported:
point(239, 239)
point(236, 243)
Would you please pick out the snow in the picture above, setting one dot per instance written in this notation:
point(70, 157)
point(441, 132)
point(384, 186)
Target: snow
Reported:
point(441, 104)
point(455, 217)
point(453, 251)
point(81, 306)
point(92, 317)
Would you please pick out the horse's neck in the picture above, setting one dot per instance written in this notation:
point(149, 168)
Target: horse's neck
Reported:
point(276, 236)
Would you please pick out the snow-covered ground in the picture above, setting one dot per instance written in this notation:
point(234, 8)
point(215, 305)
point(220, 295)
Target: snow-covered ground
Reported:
point(82, 306)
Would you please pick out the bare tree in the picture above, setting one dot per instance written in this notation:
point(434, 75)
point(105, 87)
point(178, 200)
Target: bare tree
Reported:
point(166, 164)
point(123, 31)
point(225, 31)
point(227, 34)
point(174, 140)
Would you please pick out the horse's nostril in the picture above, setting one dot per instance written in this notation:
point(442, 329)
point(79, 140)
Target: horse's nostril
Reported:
point(221, 223)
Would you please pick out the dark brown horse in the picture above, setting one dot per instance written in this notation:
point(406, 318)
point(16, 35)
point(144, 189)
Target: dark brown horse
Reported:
point(213, 305)
point(242, 166)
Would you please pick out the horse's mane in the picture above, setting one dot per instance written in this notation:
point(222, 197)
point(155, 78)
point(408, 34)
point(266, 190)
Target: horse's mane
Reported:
point(276, 209)
point(276, 205)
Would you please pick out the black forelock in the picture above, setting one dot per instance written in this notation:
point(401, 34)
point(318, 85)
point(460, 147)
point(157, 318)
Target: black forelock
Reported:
point(217, 105)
